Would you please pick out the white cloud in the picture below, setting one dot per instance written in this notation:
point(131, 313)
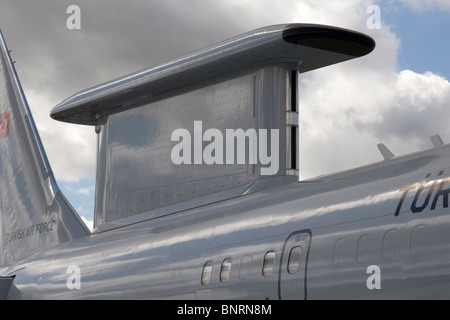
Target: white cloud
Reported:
point(85, 191)
point(349, 115)
point(71, 149)
point(88, 222)
point(417, 105)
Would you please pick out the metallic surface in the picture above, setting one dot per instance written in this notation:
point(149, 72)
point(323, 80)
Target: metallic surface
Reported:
point(348, 219)
point(33, 212)
point(135, 173)
point(317, 239)
point(315, 46)
point(238, 83)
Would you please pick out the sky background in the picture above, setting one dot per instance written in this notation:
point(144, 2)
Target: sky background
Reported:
point(399, 94)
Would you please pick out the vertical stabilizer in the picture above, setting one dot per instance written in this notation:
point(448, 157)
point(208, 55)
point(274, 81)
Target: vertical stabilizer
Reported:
point(34, 214)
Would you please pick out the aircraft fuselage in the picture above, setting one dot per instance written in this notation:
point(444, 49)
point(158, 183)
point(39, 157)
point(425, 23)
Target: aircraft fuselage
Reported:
point(380, 231)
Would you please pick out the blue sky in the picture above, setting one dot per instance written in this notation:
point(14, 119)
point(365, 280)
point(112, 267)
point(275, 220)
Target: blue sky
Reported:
point(398, 95)
point(424, 38)
point(81, 195)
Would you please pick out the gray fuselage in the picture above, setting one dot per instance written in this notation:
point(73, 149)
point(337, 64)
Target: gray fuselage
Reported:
point(310, 240)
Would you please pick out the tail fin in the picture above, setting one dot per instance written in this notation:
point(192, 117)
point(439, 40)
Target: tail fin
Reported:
point(34, 214)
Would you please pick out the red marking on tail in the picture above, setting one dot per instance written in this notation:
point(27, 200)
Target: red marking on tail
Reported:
point(5, 120)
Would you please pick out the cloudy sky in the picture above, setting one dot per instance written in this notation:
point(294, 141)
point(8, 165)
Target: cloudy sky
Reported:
point(398, 95)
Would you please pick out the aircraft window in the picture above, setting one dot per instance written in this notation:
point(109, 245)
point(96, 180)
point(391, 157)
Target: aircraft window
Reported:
point(417, 240)
point(341, 252)
point(206, 273)
point(246, 267)
point(294, 259)
point(268, 264)
point(225, 270)
point(390, 245)
point(365, 248)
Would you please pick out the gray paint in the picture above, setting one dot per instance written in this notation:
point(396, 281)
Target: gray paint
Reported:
point(34, 214)
point(393, 214)
point(315, 46)
point(169, 253)
point(136, 173)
